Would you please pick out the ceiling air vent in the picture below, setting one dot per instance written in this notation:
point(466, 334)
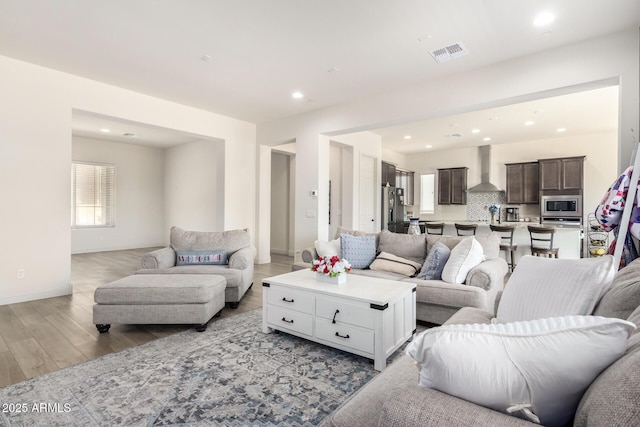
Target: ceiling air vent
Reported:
point(448, 53)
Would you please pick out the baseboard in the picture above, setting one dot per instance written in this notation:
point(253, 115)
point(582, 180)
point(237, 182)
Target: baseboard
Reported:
point(36, 296)
point(110, 249)
point(280, 251)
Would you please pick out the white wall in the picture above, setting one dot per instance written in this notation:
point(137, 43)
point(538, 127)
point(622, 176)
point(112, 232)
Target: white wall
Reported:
point(194, 187)
point(35, 156)
point(139, 196)
point(548, 73)
point(600, 167)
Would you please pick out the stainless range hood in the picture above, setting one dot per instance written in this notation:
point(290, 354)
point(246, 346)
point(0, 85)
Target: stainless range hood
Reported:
point(485, 172)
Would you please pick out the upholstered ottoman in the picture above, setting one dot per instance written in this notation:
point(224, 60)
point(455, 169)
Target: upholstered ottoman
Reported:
point(159, 299)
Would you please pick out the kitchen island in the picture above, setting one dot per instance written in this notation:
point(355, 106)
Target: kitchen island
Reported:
point(567, 239)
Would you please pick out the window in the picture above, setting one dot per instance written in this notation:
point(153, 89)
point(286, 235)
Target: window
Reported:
point(93, 195)
point(427, 193)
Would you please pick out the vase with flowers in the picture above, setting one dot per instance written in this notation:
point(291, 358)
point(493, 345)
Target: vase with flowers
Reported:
point(331, 269)
point(494, 210)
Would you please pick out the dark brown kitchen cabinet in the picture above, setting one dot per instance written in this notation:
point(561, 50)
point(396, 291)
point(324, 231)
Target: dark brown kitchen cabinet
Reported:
point(522, 183)
point(388, 174)
point(561, 174)
point(452, 186)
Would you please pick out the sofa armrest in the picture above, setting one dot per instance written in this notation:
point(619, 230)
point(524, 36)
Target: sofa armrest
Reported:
point(411, 405)
point(160, 258)
point(309, 254)
point(488, 275)
point(242, 259)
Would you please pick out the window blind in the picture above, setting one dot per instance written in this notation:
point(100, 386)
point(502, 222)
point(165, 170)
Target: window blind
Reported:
point(93, 194)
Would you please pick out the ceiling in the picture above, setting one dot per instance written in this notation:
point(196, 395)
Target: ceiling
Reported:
point(260, 52)
point(579, 113)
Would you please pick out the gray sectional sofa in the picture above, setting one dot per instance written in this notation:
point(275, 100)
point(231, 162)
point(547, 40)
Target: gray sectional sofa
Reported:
point(394, 398)
point(436, 300)
point(236, 244)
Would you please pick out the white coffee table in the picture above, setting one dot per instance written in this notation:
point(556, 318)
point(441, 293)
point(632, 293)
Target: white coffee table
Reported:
point(367, 316)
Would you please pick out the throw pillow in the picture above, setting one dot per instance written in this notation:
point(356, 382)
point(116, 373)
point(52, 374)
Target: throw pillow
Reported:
point(538, 369)
point(490, 243)
point(360, 251)
point(409, 246)
point(435, 262)
point(395, 264)
point(328, 249)
point(545, 287)
point(217, 257)
point(464, 256)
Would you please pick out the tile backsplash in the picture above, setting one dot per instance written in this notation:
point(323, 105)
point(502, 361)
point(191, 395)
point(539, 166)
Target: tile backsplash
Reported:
point(478, 205)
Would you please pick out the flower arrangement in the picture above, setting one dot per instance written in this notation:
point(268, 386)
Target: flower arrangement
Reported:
point(494, 208)
point(331, 267)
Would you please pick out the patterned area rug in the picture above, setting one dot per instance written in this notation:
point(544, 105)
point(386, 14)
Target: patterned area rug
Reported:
point(232, 375)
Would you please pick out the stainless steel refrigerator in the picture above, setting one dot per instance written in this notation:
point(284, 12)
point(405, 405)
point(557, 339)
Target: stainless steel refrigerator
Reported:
point(393, 209)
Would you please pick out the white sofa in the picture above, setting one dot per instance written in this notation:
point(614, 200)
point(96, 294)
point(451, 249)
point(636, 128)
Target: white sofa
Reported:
point(238, 271)
point(436, 300)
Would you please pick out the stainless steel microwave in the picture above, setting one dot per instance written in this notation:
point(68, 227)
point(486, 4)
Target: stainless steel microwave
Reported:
point(561, 206)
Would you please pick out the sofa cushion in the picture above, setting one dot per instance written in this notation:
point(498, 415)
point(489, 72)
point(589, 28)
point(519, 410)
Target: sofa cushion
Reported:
point(435, 262)
point(614, 394)
point(215, 257)
point(624, 295)
point(360, 251)
point(464, 256)
point(545, 287)
point(341, 230)
point(232, 276)
point(327, 249)
point(395, 264)
point(490, 243)
point(409, 246)
point(231, 241)
point(537, 368)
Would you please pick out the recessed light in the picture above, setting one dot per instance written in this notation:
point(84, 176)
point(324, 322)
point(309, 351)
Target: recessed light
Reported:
point(560, 130)
point(544, 18)
point(475, 130)
point(105, 130)
point(428, 146)
point(206, 58)
point(529, 122)
point(486, 138)
point(407, 137)
point(454, 135)
point(297, 95)
point(333, 69)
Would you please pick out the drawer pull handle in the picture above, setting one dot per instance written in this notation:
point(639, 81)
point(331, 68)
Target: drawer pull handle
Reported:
point(334, 316)
point(342, 336)
point(288, 321)
point(287, 300)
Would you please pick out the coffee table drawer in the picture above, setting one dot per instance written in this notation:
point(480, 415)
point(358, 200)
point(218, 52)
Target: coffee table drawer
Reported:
point(343, 312)
point(286, 298)
point(281, 318)
point(347, 335)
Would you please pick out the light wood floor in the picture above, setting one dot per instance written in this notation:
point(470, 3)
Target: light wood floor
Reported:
point(42, 336)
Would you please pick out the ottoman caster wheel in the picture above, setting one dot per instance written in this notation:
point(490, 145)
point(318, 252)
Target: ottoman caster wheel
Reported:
point(234, 304)
point(201, 328)
point(102, 328)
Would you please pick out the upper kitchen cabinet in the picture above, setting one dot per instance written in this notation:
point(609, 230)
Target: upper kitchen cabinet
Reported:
point(564, 174)
point(452, 186)
point(388, 174)
point(405, 179)
point(522, 183)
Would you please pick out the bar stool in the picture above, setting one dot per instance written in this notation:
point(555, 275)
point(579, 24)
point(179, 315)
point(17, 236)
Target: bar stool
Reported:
point(466, 229)
point(434, 228)
point(542, 241)
point(506, 242)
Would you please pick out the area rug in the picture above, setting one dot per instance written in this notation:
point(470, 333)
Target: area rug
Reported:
point(230, 375)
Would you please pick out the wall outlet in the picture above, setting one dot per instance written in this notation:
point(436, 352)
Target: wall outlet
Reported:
point(20, 274)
